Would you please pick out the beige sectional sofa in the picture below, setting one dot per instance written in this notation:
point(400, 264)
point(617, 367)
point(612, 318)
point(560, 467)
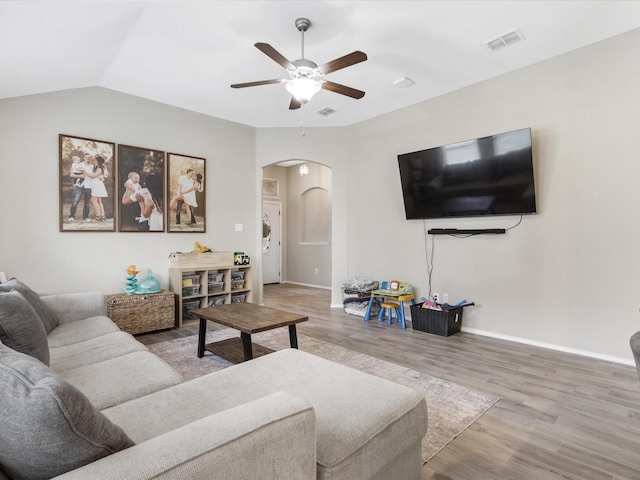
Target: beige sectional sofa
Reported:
point(107, 408)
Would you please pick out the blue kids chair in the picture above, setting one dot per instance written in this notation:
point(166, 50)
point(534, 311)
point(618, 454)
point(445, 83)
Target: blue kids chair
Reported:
point(399, 293)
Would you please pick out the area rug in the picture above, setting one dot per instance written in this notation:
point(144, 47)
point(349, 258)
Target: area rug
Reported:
point(452, 407)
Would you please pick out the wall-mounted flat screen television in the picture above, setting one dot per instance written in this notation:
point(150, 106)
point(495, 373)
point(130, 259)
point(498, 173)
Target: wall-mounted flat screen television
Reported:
point(486, 176)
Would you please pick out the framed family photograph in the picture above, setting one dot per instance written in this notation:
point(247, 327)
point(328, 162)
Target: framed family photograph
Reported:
point(141, 198)
point(87, 192)
point(186, 212)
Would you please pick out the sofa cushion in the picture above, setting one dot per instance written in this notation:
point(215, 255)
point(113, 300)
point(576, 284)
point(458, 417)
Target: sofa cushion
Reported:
point(20, 327)
point(70, 307)
point(94, 350)
point(117, 380)
point(48, 427)
point(47, 316)
point(80, 331)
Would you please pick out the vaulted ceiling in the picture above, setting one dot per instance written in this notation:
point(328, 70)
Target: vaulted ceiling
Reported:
point(188, 53)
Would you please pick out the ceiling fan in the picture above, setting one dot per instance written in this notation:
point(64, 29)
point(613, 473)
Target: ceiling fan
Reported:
point(306, 78)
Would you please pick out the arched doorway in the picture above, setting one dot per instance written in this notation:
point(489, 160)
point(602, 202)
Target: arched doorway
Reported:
point(271, 242)
point(304, 201)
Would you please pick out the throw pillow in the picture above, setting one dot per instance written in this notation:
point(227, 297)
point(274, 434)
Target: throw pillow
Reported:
point(47, 426)
point(47, 316)
point(20, 327)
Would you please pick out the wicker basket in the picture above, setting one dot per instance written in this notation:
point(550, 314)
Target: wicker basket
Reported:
point(436, 321)
point(142, 313)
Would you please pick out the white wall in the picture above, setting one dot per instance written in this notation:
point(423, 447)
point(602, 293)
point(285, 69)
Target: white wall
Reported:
point(32, 248)
point(565, 278)
point(305, 258)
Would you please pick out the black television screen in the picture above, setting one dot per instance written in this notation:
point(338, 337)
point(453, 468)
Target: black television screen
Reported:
point(485, 176)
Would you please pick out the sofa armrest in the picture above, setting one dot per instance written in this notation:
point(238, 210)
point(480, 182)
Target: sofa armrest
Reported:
point(70, 307)
point(272, 437)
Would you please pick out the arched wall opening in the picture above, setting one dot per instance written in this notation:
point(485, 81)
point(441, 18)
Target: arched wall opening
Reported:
point(325, 146)
point(300, 192)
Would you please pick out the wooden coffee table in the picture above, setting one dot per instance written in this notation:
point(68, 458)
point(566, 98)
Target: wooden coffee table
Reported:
point(249, 318)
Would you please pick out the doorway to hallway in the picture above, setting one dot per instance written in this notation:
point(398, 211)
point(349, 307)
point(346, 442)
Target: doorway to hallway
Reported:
point(271, 242)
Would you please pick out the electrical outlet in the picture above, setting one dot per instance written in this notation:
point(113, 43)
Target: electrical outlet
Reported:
point(315, 270)
point(436, 297)
point(445, 298)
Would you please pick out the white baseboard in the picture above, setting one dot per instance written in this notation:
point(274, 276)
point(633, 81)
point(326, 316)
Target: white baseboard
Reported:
point(308, 285)
point(551, 346)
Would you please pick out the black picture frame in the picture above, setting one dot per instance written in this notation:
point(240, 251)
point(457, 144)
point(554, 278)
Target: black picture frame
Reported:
point(141, 189)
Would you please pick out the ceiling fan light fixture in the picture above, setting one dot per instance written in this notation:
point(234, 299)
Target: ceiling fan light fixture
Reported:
point(306, 77)
point(303, 88)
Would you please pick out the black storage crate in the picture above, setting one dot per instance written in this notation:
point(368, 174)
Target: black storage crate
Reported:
point(435, 321)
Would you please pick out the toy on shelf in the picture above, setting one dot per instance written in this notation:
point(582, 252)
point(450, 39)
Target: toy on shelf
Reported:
point(240, 258)
point(132, 281)
point(199, 248)
point(149, 285)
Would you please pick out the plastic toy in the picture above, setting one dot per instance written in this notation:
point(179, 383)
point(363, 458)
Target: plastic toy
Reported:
point(131, 270)
point(199, 248)
point(131, 280)
point(149, 285)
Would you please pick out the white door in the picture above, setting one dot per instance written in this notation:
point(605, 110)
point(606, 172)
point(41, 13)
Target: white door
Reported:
point(271, 247)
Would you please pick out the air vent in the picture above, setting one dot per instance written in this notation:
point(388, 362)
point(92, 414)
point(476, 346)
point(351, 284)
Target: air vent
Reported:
point(504, 40)
point(325, 112)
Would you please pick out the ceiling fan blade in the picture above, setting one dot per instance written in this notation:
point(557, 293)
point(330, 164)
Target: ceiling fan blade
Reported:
point(272, 53)
point(342, 89)
point(255, 84)
point(295, 104)
point(343, 62)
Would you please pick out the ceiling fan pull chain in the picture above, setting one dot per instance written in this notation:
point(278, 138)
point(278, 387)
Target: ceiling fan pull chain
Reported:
point(302, 121)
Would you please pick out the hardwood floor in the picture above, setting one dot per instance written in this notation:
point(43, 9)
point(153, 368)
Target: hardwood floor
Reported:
point(560, 416)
